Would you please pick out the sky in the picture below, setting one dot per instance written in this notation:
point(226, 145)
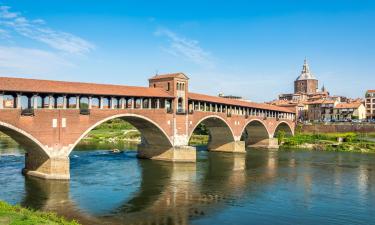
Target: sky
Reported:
point(253, 49)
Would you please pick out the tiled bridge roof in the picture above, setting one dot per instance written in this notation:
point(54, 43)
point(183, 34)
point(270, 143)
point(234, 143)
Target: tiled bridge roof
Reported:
point(242, 103)
point(63, 87)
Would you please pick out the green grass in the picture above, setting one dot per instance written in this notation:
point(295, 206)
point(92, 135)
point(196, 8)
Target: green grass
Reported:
point(198, 139)
point(16, 215)
point(351, 142)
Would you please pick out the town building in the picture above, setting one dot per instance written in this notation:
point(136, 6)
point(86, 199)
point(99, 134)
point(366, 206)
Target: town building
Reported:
point(370, 104)
point(349, 111)
point(313, 104)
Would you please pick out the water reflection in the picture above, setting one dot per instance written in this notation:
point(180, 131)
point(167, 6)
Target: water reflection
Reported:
point(267, 187)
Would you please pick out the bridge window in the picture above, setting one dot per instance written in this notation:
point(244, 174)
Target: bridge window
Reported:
point(84, 103)
point(24, 102)
point(38, 100)
point(180, 106)
point(59, 101)
point(9, 101)
point(129, 103)
point(138, 103)
point(95, 102)
point(72, 102)
point(168, 105)
point(114, 103)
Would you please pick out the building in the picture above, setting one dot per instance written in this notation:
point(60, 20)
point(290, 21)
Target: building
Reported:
point(318, 105)
point(305, 83)
point(230, 96)
point(349, 111)
point(321, 110)
point(370, 104)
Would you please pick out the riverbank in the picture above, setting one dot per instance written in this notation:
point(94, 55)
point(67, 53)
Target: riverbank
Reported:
point(17, 215)
point(345, 142)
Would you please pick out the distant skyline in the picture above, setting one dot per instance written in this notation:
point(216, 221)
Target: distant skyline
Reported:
point(254, 49)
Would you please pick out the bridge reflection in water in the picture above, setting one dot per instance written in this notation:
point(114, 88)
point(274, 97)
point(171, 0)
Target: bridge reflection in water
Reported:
point(166, 195)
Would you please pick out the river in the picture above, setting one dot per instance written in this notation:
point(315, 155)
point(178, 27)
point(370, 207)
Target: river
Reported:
point(260, 187)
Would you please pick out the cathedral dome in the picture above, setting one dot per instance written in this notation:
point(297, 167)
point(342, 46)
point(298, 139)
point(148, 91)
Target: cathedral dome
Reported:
point(305, 73)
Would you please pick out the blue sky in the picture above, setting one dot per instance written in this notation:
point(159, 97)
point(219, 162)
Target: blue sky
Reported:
point(250, 48)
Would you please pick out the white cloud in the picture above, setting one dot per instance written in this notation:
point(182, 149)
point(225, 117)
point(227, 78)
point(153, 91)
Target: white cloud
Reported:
point(16, 60)
point(186, 48)
point(36, 30)
point(4, 34)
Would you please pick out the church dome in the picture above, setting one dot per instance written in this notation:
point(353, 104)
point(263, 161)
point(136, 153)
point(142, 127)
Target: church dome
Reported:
point(305, 73)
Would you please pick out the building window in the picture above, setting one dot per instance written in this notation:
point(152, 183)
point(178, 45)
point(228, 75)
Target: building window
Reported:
point(168, 86)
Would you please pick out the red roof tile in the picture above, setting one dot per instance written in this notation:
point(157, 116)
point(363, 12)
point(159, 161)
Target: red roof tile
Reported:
point(170, 75)
point(370, 91)
point(63, 87)
point(233, 102)
point(352, 105)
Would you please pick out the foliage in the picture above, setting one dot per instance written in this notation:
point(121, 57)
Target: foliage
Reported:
point(17, 215)
point(280, 136)
point(201, 129)
point(352, 142)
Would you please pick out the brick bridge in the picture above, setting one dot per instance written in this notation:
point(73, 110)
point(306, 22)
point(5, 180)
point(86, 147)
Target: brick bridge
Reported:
point(49, 118)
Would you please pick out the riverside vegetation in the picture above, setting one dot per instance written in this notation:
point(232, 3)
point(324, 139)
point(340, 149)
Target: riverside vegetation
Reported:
point(345, 142)
point(17, 215)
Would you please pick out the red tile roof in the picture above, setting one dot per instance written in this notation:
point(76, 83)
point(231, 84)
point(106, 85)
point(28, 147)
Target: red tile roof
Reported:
point(370, 91)
point(352, 105)
point(63, 87)
point(233, 102)
point(170, 75)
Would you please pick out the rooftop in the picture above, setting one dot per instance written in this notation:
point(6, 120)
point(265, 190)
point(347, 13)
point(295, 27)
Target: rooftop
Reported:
point(352, 105)
point(169, 75)
point(64, 87)
point(234, 102)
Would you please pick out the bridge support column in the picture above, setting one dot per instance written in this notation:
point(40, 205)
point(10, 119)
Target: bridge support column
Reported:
point(167, 153)
point(1, 100)
point(234, 146)
point(42, 166)
point(270, 143)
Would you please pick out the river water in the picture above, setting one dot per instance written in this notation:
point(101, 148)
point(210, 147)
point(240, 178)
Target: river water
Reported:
point(260, 187)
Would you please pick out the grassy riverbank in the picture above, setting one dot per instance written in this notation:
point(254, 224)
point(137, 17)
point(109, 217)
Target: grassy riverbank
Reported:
point(347, 142)
point(17, 215)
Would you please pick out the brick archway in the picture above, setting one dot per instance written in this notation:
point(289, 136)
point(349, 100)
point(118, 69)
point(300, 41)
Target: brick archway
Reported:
point(283, 126)
point(255, 132)
point(26, 140)
point(152, 133)
point(220, 122)
point(221, 134)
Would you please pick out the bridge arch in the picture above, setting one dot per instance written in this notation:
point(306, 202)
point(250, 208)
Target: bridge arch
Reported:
point(220, 131)
point(152, 133)
point(255, 131)
point(283, 126)
point(23, 138)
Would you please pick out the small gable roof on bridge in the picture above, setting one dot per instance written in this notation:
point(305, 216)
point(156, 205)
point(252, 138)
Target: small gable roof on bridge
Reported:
point(63, 87)
point(233, 102)
point(170, 75)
